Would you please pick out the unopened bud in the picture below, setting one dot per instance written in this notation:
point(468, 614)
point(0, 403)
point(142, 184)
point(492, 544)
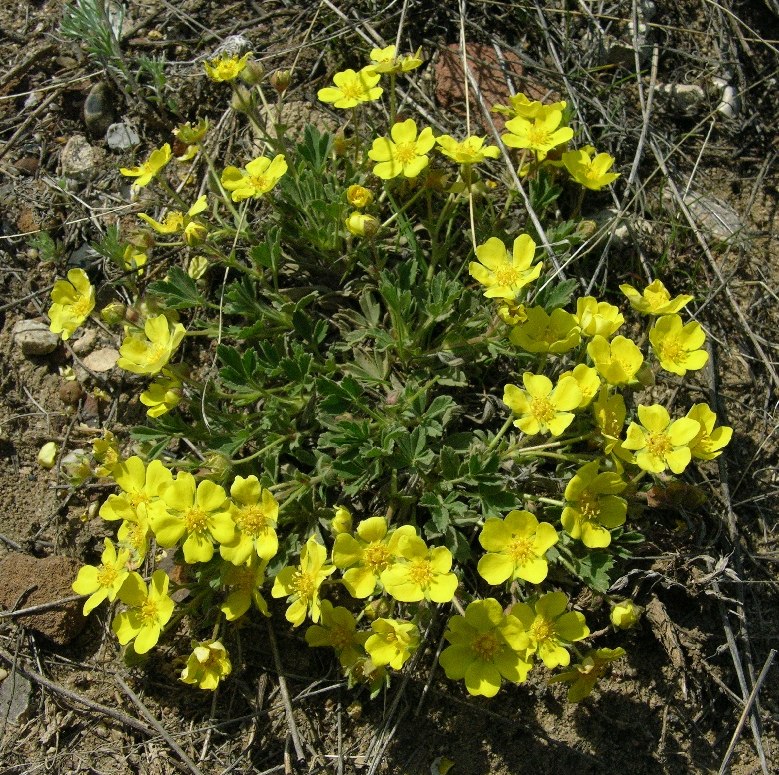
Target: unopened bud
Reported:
point(113, 313)
point(253, 73)
point(341, 522)
point(625, 615)
point(241, 101)
point(362, 225)
point(359, 196)
point(280, 80)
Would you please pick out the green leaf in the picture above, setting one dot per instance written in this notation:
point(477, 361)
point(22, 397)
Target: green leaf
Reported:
point(555, 296)
point(178, 290)
point(593, 569)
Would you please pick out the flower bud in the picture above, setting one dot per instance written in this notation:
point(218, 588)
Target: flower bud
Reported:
point(113, 313)
point(253, 73)
point(280, 80)
point(359, 196)
point(241, 101)
point(362, 225)
point(341, 522)
point(625, 615)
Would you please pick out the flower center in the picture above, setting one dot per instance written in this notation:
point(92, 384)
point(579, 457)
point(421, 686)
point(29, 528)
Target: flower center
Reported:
point(81, 308)
point(244, 580)
point(304, 585)
point(521, 550)
point(656, 299)
point(507, 275)
point(353, 90)
point(148, 612)
point(137, 498)
point(538, 137)
point(158, 352)
point(259, 182)
point(106, 575)
point(486, 646)
point(671, 350)
point(377, 557)
point(541, 629)
point(659, 444)
point(340, 637)
point(588, 505)
point(542, 409)
point(421, 572)
point(406, 152)
point(196, 520)
point(252, 520)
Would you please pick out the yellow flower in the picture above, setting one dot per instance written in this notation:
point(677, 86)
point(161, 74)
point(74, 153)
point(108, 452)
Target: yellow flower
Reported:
point(385, 60)
point(150, 610)
point(597, 318)
point(592, 505)
point(549, 628)
point(162, 395)
point(176, 222)
point(359, 196)
point(134, 535)
point(542, 333)
point(105, 450)
point(625, 615)
point(583, 675)
point(659, 443)
point(104, 581)
point(588, 380)
point(133, 260)
point(392, 643)
point(540, 134)
point(149, 353)
point(367, 556)
point(420, 573)
point(405, 153)
point(516, 548)
point(709, 441)
point(469, 151)
point(618, 361)
point(201, 512)
point(189, 136)
point(655, 299)
point(226, 68)
point(338, 630)
point(541, 407)
point(505, 276)
point(243, 583)
point(677, 346)
point(590, 171)
point(259, 177)
point(341, 522)
point(362, 225)
point(73, 299)
point(609, 413)
point(141, 485)
point(352, 88)
point(521, 105)
point(143, 174)
point(255, 512)
point(207, 665)
point(510, 312)
point(486, 647)
point(301, 584)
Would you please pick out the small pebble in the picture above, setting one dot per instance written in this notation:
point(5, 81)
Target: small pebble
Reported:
point(78, 158)
point(34, 338)
point(70, 393)
point(121, 136)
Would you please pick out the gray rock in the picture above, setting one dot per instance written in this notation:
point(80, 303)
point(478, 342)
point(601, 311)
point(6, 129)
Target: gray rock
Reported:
point(15, 697)
point(688, 99)
point(34, 338)
point(121, 136)
point(84, 343)
point(99, 111)
point(78, 158)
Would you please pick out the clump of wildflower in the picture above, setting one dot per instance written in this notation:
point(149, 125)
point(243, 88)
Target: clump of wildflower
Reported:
point(709, 441)
point(243, 584)
point(503, 275)
point(654, 299)
point(583, 675)
point(200, 512)
point(541, 406)
point(420, 573)
point(589, 169)
point(162, 395)
point(207, 665)
point(471, 150)
point(550, 628)
point(176, 222)
point(337, 629)
point(677, 346)
point(392, 643)
point(352, 88)
point(150, 352)
point(625, 614)
point(593, 506)
point(540, 134)
point(516, 548)
point(403, 153)
point(386, 60)
point(366, 556)
point(301, 584)
point(72, 301)
point(659, 443)
point(150, 609)
point(258, 177)
point(618, 361)
point(597, 318)
point(487, 646)
point(557, 332)
point(104, 581)
point(226, 68)
point(254, 511)
point(145, 172)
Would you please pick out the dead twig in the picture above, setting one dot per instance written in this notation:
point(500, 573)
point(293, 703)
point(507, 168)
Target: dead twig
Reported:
point(293, 728)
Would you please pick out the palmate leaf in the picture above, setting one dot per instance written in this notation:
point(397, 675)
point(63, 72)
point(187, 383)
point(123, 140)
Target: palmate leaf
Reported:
point(178, 290)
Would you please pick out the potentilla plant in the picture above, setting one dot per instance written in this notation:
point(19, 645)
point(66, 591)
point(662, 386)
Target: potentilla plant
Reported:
point(359, 297)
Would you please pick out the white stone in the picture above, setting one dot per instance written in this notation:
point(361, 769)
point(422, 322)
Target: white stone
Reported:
point(34, 338)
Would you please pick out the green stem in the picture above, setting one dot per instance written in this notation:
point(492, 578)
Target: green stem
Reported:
point(499, 435)
point(262, 451)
